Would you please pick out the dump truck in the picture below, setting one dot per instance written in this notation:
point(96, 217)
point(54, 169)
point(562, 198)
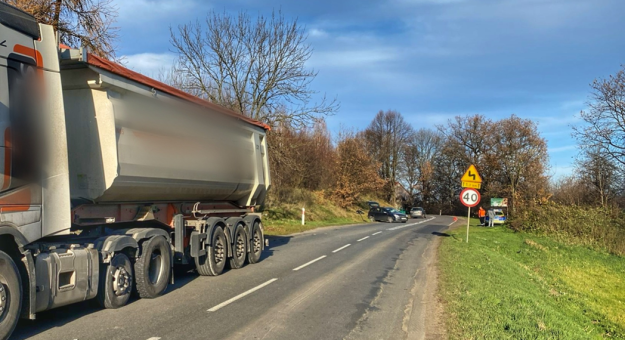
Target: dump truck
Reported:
point(110, 178)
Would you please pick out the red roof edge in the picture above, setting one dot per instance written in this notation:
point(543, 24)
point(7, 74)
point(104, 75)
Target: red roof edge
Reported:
point(119, 70)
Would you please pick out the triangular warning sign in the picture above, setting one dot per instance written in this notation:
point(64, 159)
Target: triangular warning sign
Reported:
point(471, 175)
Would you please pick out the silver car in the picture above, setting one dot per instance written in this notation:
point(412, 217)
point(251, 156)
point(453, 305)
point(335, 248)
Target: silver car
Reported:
point(417, 212)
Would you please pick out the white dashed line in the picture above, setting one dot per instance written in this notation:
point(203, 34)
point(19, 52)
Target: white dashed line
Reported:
point(379, 232)
point(343, 247)
point(362, 239)
point(223, 304)
point(154, 338)
point(410, 225)
point(309, 263)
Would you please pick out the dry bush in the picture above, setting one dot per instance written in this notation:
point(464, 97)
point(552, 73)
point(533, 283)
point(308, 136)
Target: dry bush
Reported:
point(597, 227)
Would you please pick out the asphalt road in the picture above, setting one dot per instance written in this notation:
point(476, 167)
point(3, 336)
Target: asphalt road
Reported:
point(355, 282)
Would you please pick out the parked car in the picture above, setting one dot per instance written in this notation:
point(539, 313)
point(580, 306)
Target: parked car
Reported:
point(417, 212)
point(373, 204)
point(500, 217)
point(386, 214)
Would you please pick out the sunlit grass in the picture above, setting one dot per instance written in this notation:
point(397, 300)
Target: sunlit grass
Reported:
point(506, 285)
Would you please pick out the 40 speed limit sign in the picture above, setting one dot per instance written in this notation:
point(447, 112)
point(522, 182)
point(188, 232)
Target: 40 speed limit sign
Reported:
point(470, 197)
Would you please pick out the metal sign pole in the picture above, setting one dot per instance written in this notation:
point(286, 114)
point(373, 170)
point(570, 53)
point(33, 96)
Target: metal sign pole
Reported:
point(468, 220)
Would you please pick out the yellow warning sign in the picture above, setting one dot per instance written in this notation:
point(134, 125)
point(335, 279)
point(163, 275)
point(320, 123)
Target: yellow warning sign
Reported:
point(471, 176)
point(472, 185)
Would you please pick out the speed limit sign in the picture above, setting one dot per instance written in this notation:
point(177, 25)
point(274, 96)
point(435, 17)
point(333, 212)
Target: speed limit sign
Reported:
point(470, 197)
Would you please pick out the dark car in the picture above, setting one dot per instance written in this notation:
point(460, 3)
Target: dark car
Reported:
point(417, 212)
point(386, 214)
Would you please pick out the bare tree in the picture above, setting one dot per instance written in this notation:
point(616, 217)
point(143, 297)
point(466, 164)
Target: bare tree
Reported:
point(472, 140)
point(605, 118)
point(417, 169)
point(87, 23)
point(386, 135)
point(599, 174)
point(254, 66)
point(522, 155)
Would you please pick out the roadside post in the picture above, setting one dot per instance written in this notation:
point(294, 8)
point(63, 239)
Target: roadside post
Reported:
point(469, 196)
point(303, 215)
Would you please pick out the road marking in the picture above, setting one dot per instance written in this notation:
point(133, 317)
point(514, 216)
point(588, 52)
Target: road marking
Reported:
point(154, 338)
point(223, 304)
point(362, 239)
point(379, 232)
point(309, 263)
point(343, 247)
point(410, 225)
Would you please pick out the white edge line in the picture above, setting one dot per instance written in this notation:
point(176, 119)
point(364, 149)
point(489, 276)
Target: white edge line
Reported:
point(308, 263)
point(379, 232)
point(362, 239)
point(225, 303)
point(343, 247)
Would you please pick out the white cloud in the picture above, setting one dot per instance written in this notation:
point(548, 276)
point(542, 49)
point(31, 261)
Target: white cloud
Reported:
point(355, 58)
point(317, 33)
point(149, 64)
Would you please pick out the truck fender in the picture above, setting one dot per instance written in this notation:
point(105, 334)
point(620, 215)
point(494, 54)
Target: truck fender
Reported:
point(232, 222)
point(249, 224)
point(29, 304)
point(8, 228)
point(140, 234)
point(199, 240)
point(210, 225)
point(108, 245)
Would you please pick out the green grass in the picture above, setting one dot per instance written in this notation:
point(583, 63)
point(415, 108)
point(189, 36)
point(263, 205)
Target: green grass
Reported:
point(506, 285)
point(285, 217)
point(286, 227)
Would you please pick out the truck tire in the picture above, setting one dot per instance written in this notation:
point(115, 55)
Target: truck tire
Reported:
point(256, 245)
point(153, 267)
point(213, 263)
point(115, 283)
point(239, 248)
point(10, 295)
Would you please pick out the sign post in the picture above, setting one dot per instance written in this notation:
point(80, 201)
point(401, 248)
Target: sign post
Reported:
point(470, 198)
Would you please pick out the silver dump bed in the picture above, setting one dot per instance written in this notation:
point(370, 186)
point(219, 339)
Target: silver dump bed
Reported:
point(132, 139)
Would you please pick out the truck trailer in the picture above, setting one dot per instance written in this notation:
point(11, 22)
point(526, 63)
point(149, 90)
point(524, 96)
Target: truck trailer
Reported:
point(110, 178)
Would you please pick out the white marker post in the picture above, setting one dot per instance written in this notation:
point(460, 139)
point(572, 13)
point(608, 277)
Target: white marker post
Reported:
point(303, 214)
point(468, 220)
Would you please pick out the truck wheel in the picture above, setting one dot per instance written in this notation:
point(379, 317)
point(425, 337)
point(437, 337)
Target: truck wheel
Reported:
point(239, 248)
point(256, 245)
point(153, 268)
point(10, 295)
point(115, 282)
point(213, 263)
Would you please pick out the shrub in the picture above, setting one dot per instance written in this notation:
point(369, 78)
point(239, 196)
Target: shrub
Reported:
point(597, 227)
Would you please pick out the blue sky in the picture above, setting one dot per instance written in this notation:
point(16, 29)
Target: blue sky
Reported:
point(429, 59)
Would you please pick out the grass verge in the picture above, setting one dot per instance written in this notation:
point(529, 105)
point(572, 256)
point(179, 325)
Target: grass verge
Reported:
point(284, 217)
point(507, 285)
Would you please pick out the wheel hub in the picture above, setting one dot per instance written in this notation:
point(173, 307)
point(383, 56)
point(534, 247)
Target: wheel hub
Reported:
point(3, 299)
point(121, 281)
point(219, 252)
point(256, 242)
point(240, 247)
